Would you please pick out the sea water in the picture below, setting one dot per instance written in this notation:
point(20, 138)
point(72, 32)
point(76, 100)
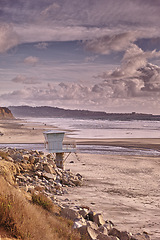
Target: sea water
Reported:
point(100, 129)
point(94, 129)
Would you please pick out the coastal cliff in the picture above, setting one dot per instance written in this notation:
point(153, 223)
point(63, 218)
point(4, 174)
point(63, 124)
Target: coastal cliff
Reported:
point(5, 113)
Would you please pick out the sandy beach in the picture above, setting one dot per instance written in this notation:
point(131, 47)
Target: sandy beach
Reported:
point(124, 188)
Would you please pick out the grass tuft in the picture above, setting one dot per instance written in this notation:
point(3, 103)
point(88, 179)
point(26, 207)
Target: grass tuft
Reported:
point(43, 201)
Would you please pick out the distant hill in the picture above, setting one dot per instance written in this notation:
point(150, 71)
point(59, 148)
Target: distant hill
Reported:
point(5, 113)
point(54, 112)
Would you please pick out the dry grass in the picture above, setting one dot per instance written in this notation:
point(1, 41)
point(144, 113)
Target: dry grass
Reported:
point(3, 155)
point(31, 222)
point(43, 201)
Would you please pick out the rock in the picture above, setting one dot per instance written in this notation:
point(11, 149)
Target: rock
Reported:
point(36, 160)
point(98, 219)
point(70, 213)
point(75, 181)
point(17, 156)
point(109, 225)
point(88, 232)
point(26, 157)
point(103, 230)
point(123, 235)
point(79, 222)
point(48, 168)
point(79, 176)
point(83, 212)
point(90, 216)
point(49, 176)
point(102, 236)
point(10, 159)
point(138, 236)
point(31, 159)
point(93, 225)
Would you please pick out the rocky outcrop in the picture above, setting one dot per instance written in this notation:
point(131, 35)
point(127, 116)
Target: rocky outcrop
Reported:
point(35, 171)
point(5, 113)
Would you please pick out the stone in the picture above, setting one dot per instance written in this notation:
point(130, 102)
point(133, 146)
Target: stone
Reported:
point(48, 168)
point(93, 225)
point(76, 181)
point(17, 156)
point(10, 159)
point(79, 176)
point(26, 157)
point(31, 159)
point(70, 213)
point(98, 219)
point(138, 236)
point(83, 212)
point(36, 159)
point(49, 176)
point(87, 231)
point(103, 230)
point(125, 235)
point(90, 216)
point(122, 235)
point(79, 222)
point(102, 236)
point(109, 225)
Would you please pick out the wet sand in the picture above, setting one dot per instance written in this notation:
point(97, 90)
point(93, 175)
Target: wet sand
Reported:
point(124, 188)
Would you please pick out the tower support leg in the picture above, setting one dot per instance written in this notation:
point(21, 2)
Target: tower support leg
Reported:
point(60, 160)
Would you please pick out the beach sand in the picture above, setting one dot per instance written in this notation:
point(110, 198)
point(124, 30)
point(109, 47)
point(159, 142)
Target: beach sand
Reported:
point(124, 188)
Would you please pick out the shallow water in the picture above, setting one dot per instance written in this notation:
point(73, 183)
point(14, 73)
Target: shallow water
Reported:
point(89, 128)
point(91, 149)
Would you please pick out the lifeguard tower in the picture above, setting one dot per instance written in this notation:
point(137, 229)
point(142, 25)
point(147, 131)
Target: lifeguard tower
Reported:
point(54, 144)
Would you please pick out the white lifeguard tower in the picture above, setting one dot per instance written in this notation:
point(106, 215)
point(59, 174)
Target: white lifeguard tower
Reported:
point(54, 144)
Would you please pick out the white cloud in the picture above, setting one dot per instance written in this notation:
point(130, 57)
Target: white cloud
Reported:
point(8, 37)
point(136, 77)
point(41, 45)
point(31, 60)
point(25, 80)
point(106, 44)
point(96, 97)
point(50, 9)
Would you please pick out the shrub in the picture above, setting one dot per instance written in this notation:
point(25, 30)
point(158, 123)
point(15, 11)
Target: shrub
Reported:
point(43, 201)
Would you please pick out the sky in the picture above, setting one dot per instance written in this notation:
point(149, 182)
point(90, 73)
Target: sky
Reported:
point(99, 55)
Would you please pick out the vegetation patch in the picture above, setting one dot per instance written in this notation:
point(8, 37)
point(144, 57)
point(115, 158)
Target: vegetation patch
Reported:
point(28, 221)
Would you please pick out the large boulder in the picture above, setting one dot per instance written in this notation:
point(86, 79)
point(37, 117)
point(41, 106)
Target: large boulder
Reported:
point(70, 213)
point(98, 219)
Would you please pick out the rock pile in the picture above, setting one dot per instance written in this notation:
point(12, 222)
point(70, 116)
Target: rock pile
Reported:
point(36, 171)
point(93, 226)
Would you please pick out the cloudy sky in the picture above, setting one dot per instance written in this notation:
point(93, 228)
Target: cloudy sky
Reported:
point(81, 54)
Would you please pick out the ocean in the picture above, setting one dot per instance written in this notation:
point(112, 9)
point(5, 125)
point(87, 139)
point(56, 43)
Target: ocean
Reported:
point(100, 129)
point(89, 128)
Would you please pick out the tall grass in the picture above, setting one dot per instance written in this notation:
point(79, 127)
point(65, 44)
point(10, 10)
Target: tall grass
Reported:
point(31, 222)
